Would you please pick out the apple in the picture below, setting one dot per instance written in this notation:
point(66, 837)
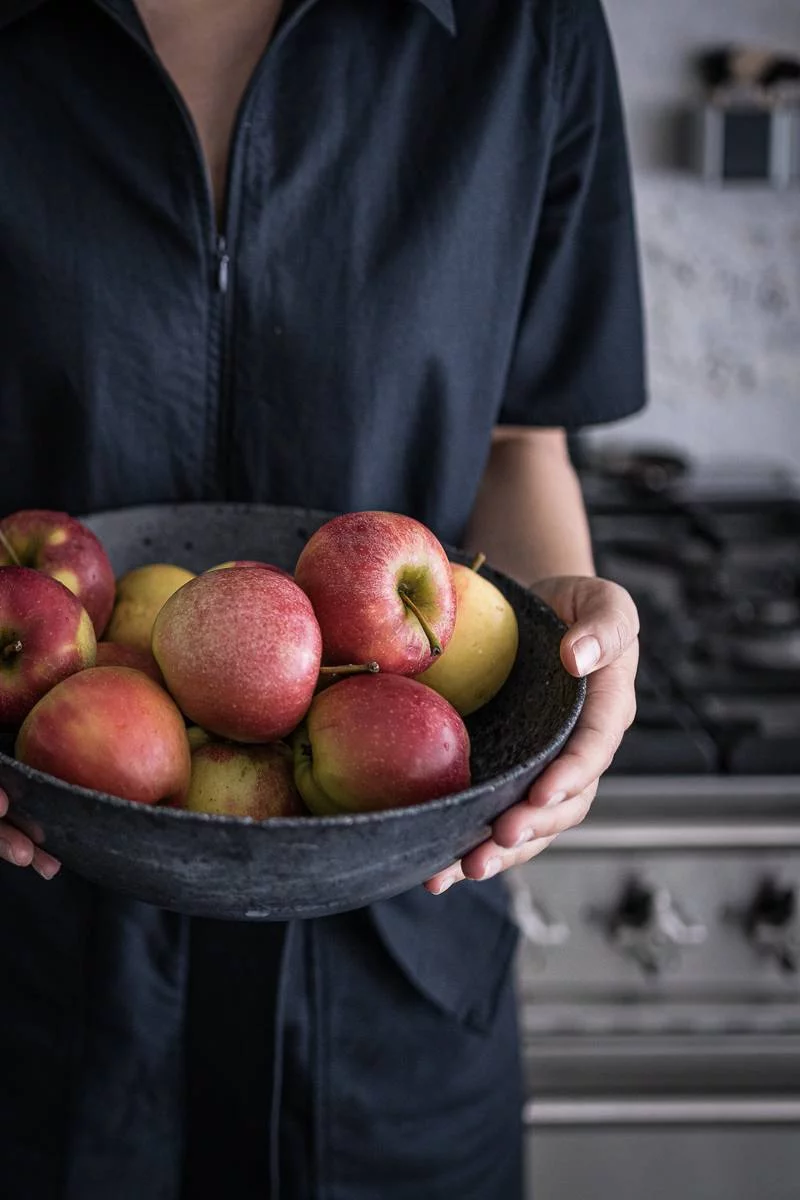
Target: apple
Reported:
point(244, 781)
point(114, 654)
point(240, 651)
point(249, 562)
point(45, 635)
point(141, 594)
point(483, 648)
point(382, 589)
point(379, 741)
point(111, 729)
point(63, 548)
point(197, 737)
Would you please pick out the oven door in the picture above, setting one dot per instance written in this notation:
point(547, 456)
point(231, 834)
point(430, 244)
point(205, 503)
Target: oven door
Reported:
point(663, 1119)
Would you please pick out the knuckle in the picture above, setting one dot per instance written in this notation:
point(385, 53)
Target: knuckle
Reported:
point(547, 829)
point(630, 716)
point(610, 741)
point(538, 847)
point(624, 621)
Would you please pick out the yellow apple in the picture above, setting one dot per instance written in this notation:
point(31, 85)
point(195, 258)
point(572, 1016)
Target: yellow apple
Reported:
point(141, 594)
point(244, 781)
point(479, 657)
point(197, 737)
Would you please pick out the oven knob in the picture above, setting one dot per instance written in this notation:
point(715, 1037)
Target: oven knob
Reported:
point(536, 924)
point(771, 924)
point(649, 927)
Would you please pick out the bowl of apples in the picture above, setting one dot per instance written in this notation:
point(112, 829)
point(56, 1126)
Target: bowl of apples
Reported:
point(324, 721)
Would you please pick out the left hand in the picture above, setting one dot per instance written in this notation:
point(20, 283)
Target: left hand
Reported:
point(602, 642)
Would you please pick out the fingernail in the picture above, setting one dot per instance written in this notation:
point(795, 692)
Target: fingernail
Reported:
point(491, 868)
point(556, 798)
point(587, 654)
point(45, 870)
point(527, 835)
point(443, 887)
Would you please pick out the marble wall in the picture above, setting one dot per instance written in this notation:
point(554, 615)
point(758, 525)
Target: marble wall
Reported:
point(721, 265)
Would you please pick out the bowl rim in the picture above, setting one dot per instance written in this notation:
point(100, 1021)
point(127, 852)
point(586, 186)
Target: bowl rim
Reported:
point(339, 820)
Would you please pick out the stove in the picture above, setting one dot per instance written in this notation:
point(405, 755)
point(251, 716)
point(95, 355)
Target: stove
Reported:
point(659, 970)
point(717, 581)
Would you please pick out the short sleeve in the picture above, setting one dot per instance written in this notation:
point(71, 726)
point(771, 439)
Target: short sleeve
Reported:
point(579, 354)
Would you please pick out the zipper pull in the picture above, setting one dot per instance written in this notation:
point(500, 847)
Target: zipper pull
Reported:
point(223, 265)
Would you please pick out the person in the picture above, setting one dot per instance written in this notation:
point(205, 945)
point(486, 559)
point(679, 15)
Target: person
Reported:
point(346, 256)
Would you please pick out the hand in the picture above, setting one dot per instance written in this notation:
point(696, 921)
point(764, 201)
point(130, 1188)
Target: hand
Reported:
point(18, 849)
point(602, 643)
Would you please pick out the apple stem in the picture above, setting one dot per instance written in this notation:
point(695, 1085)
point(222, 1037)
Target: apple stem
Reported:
point(12, 649)
point(9, 549)
point(370, 668)
point(478, 562)
point(433, 641)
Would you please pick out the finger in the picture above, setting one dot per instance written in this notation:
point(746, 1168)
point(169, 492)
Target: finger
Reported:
point(510, 826)
point(608, 712)
point(44, 864)
point(489, 859)
point(444, 879)
point(515, 840)
point(15, 847)
point(3, 803)
point(607, 626)
point(523, 824)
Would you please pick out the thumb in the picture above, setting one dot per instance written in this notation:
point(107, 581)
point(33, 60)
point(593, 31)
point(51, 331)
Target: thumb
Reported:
point(606, 626)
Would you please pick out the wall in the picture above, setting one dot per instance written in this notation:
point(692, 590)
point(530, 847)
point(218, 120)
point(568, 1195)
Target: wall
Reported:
point(721, 266)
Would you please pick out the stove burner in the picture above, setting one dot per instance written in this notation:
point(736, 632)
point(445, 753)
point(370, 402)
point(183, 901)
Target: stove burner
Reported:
point(770, 649)
point(651, 470)
point(718, 587)
point(777, 612)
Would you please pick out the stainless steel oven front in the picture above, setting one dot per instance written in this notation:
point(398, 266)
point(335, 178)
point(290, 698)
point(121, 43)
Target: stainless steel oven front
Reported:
point(659, 989)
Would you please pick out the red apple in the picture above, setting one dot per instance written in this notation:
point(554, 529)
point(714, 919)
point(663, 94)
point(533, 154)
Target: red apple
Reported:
point(58, 545)
point(115, 654)
point(379, 741)
point(382, 589)
point(111, 729)
point(45, 635)
point(249, 562)
point(244, 781)
point(240, 651)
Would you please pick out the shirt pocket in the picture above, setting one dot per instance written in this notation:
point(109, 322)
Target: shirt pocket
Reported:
point(456, 949)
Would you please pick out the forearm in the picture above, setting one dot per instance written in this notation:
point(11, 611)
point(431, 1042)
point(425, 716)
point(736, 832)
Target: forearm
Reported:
point(529, 518)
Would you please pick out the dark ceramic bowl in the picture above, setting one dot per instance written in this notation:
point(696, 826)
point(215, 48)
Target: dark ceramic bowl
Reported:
point(229, 867)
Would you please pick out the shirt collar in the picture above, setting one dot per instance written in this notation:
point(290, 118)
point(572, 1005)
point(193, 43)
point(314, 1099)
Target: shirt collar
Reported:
point(442, 10)
point(12, 9)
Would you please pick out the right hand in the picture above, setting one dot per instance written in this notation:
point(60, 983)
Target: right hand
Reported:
point(18, 849)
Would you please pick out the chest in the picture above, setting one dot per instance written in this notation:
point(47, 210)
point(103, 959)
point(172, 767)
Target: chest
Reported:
point(354, 304)
point(210, 52)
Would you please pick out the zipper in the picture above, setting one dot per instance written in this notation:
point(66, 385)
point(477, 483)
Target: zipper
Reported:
point(223, 265)
point(224, 238)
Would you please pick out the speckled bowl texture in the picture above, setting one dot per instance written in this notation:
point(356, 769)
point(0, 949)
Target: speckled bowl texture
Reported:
point(233, 868)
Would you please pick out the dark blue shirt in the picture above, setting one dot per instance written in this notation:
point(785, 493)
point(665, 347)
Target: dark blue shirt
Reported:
point(428, 230)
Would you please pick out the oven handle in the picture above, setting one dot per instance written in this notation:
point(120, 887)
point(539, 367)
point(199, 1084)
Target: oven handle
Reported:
point(678, 1110)
point(657, 835)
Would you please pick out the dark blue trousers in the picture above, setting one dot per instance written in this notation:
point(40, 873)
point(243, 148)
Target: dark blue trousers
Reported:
point(145, 1056)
